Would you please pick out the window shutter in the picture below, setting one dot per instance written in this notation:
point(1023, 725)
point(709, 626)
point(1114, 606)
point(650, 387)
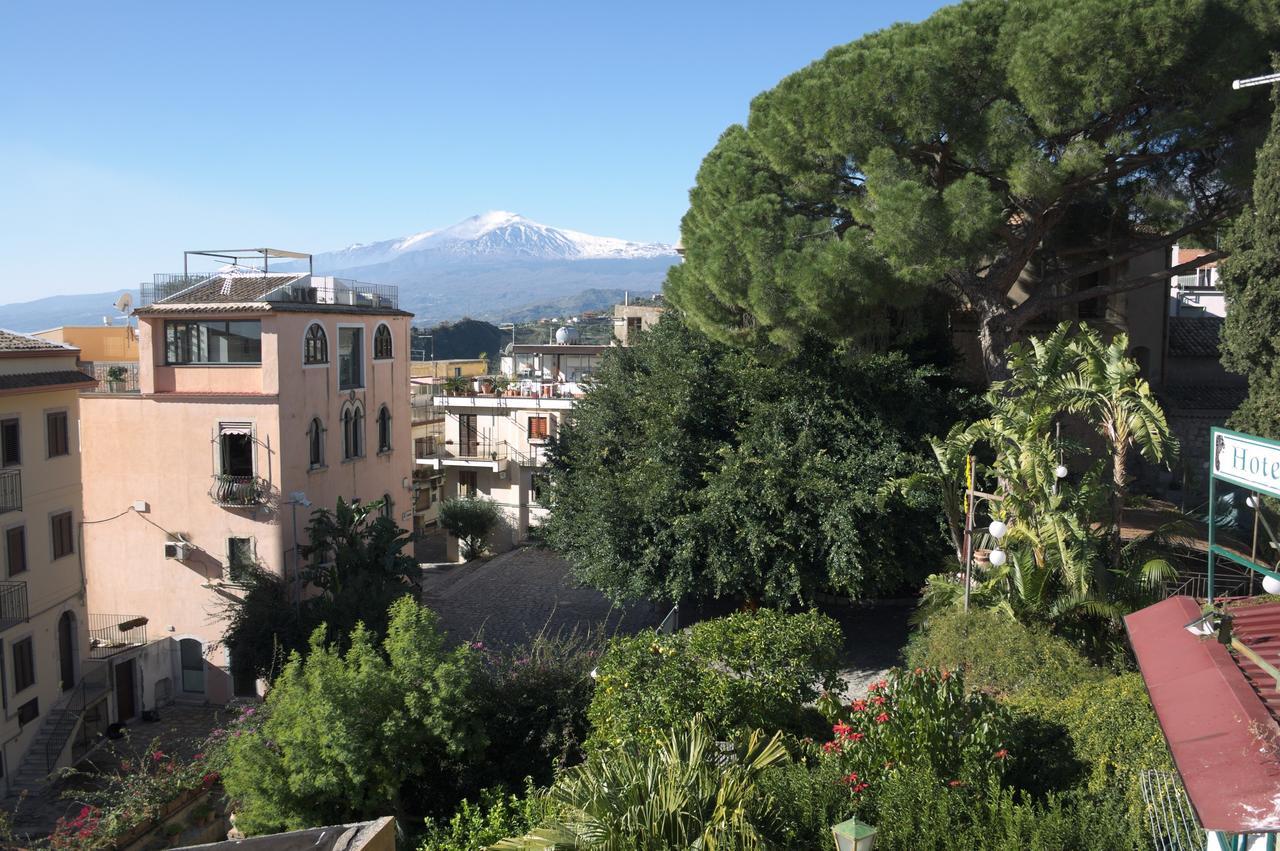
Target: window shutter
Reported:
point(10, 444)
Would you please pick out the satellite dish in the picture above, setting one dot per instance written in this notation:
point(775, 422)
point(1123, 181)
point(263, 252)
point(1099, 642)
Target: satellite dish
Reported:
point(125, 303)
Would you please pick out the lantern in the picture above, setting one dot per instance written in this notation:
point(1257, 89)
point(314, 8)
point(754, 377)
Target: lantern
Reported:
point(854, 835)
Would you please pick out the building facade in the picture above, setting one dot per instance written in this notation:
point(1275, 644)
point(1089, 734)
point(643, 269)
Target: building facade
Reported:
point(107, 352)
point(496, 430)
point(261, 397)
point(46, 649)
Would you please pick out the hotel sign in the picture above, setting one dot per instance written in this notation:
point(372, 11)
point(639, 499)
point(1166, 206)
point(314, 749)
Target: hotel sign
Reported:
point(1248, 461)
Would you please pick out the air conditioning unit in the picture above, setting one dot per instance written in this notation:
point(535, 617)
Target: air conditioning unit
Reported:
point(176, 550)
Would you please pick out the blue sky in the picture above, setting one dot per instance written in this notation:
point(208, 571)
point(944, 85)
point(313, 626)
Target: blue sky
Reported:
point(130, 131)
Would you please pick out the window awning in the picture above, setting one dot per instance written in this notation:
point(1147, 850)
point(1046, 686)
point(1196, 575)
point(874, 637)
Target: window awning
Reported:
point(236, 428)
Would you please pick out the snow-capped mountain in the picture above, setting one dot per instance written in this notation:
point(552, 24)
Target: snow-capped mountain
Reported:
point(494, 266)
point(493, 235)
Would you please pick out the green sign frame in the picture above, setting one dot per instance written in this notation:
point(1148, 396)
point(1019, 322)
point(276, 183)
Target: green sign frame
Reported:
point(1247, 461)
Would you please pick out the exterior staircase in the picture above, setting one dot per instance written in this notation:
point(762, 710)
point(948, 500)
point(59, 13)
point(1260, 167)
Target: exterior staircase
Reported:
point(57, 727)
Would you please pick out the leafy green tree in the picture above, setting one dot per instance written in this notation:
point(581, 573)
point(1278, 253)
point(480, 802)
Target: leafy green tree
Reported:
point(357, 565)
point(750, 669)
point(993, 151)
point(470, 519)
point(694, 469)
point(360, 561)
point(357, 734)
point(1251, 280)
point(681, 794)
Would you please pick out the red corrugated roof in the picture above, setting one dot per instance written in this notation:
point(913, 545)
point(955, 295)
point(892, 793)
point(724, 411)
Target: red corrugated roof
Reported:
point(1222, 735)
point(1258, 628)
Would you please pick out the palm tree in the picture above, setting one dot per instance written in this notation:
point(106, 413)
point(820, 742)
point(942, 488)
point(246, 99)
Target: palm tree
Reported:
point(688, 793)
point(1107, 388)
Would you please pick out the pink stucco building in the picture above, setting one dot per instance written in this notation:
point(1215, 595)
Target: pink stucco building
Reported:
point(261, 396)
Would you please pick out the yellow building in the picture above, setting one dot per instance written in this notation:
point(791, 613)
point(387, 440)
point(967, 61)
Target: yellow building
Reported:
point(53, 688)
point(105, 351)
point(449, 368)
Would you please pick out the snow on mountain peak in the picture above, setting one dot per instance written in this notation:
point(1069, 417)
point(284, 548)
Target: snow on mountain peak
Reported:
point(495, 233)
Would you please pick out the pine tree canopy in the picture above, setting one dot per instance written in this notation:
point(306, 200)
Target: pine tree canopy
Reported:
point(1014, 156)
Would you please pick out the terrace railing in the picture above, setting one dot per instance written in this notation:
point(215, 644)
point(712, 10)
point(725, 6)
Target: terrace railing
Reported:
point(112, 634)
point(163, 286)
point(13, 603)
point(10, 490)
point(238, 491)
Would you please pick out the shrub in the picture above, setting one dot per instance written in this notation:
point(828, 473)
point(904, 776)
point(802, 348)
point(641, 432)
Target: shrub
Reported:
point(1000, 655)
point(475, 827)
point(750, 669)
point(912, 812)
point(535, 701)
point(924, 717)
point(357, 734)
point(470, 520)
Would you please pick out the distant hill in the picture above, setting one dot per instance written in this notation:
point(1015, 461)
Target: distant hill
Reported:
point(465, 339)
point(45, 313)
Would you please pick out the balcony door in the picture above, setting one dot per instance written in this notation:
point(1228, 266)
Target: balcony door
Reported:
point(237, 453)
point(192, 657)
point(468, 436)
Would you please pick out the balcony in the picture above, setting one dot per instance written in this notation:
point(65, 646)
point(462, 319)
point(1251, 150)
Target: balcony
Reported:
point(238, 491)
point(13, 604)
point(116, 376)
point(112, 634)
point(10, 490)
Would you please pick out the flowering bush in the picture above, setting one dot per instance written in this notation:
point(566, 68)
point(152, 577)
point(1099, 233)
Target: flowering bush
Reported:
point(137, 793)
point(912, 719)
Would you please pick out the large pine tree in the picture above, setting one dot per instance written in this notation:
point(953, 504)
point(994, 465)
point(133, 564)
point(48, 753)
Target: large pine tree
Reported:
point(1013, 155)
point(1251, 279)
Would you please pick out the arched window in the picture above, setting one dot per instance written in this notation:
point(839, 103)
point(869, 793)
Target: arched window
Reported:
point(384, 429)
point(315, 440)
point(352, 431)
point(382, 343)
point(386, 506)
point(315, 345)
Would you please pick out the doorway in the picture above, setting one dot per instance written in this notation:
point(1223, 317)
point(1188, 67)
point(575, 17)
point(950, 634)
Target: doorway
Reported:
point(468, 436)
point(192, 654)
point(67, 650)
point(126, 707)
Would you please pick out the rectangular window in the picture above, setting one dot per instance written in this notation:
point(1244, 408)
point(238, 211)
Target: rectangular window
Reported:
point(235, 449)
point(63, 533)
point(10, 443)
point(538, 429)
point(56, 433)
point(24, 665)
point(15, 548)
point(213, 341)
point(350, 358)
point(467, 483)
point(28, 712)
point(633, 325)
point(240, 558)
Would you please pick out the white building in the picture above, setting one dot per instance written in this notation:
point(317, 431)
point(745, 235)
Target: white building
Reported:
point(1196, 293)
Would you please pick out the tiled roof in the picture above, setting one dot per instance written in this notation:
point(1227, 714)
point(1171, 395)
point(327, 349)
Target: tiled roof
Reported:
point(12, 341)
point(1204, 397)
point(230, 288)
point(185, 307)
point(1194, 336)
point(35, 380)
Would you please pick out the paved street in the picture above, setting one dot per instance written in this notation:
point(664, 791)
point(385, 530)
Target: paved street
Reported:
point(511, 597)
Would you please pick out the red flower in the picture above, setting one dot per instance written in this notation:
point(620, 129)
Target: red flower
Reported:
point(856, 737)
point(842, 730)
point(882, 717)
point(197, 757)
point(858, 705)
point(1002, 753)
point(954, 783)
point(858, 788)
point(946, 674)
point(157, 756)
point(832, 746)
point(850, 779)
point(919, 671)
point(210, 778)
point(878, 700)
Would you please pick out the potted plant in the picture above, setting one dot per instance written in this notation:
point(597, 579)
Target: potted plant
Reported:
point(455, 385)
point(500, 385)
point(116, 376)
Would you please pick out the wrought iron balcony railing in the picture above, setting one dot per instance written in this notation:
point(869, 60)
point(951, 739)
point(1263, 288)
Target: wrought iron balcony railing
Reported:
point(10, 490)
point(112, 634)
point(13, 604)
point(238, 491)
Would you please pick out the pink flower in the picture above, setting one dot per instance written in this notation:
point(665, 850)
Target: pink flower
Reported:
point(157, 756)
